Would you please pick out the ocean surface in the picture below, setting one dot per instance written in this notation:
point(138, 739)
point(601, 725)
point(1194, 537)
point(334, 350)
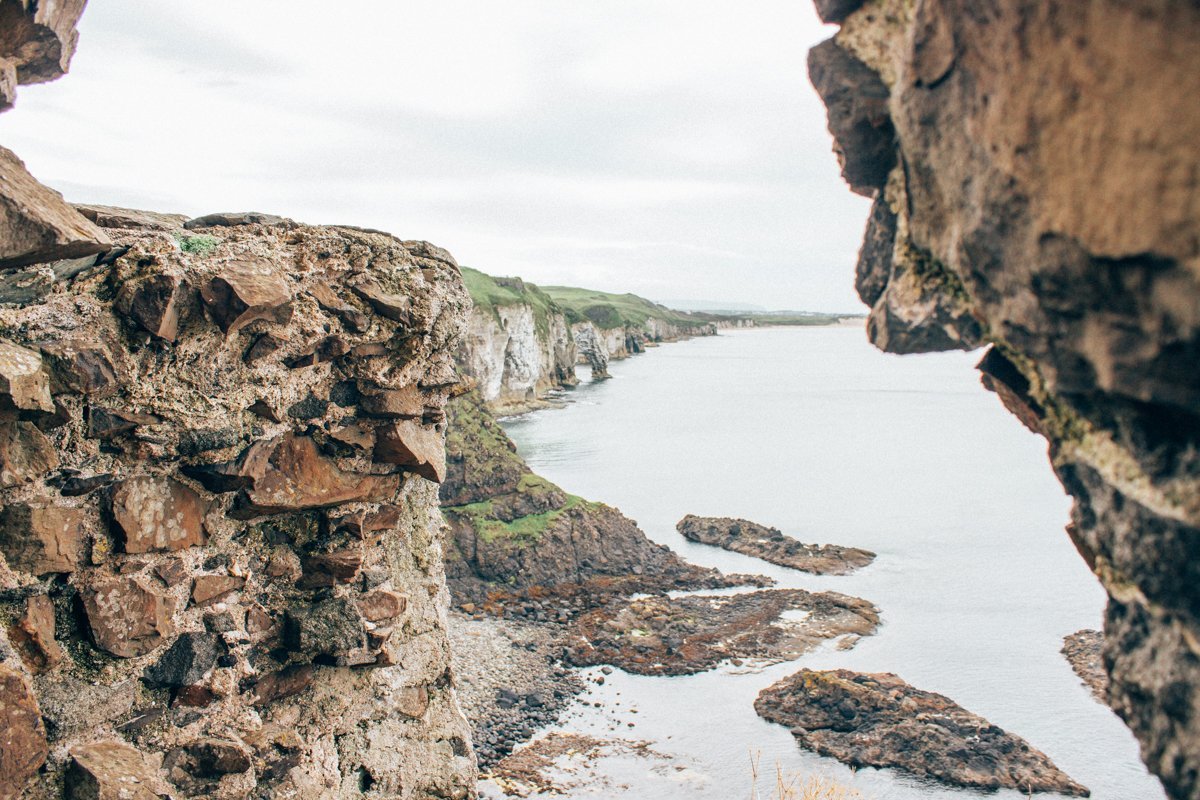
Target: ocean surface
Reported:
point(815, 432)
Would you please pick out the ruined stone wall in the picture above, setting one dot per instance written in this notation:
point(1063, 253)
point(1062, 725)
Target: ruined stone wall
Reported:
point(1036, 174)
point(220, 542)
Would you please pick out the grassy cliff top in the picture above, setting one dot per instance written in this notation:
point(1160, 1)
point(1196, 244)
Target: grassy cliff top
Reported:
point(607, 310)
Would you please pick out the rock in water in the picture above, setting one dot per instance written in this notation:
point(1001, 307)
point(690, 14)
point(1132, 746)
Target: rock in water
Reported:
point(878, 720)
point(769, 544)
point(1082, 650)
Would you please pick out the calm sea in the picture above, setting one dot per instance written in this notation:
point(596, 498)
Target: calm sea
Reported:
point(815, 432)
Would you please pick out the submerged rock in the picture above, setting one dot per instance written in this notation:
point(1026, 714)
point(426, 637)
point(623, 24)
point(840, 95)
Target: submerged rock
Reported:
point(685, 635)
point(878, 720)
point(769, 544)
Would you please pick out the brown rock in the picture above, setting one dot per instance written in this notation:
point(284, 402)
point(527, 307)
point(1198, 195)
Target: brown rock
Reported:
point(25, 453)
point(770, 544)
point(350, 316)
point(357, 435)
point(412, 701)
point(110, 770)
point(109, 423)
point(208, 589)
point(290, 474)
point(23, 746)
point(157, 514)
point(331, 569)
point(407, 402)
point(382, 604)
point(836, 10)
point(285, 683)
point(116, 217)
point(36, 225)
point(408, 443)
point(231, 219)
point(395, 307)
point(80, 365)
point(324, 351)
point(217, 757)
point(33, 635)
point(41, 539)
point(24, 384)
point(152, 303)
point(172, 572)
point(247, 291)
point(857, 101)
point(262, 347)
point(39, 40)
point(127, 618)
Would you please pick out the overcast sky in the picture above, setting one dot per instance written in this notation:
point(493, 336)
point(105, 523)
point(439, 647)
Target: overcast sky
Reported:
point(672, 149)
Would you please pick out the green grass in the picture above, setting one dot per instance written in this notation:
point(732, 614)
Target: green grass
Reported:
point(200, 245)
point(608, 311)
point(489, 294)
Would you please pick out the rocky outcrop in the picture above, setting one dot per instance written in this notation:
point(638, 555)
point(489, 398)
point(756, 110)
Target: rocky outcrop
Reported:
point(220, 535)
point(37, 44)
point(514, 534)
point(1036, 191)
point(878, 720)
point(769, 544)
point(515, 361)
point(690, 634)
point(1082, 650)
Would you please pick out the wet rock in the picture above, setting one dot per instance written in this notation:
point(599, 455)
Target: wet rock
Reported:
point(153, 304)
point(878, 720)
point(410, 444)
point(110, 770)
point(126, 617)
point(769, 544)
point(228, 219)
point(247, 291)
point(157, 515)
point(23, 746)
point(41, 539)
point(684, 635)
point(187, 662)
point(33, 635)
point(36, 225)
point(208, 589)
point(24, 385)
point(290, 474)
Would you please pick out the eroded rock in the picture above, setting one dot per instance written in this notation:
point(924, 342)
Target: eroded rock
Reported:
point(33, 635)
point(157, 514)
point(878, 720)
point(110, 770)
point(408, 443)
point(769, 544)
point(24, 385)
point(126, 617)
point(247, 291)
point(41, 539)
point(25, 453)
point(23, 747)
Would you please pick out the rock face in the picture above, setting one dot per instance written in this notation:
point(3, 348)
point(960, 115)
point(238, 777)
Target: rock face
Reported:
point(1044, 202)
point(878, 720)
point(39, 40)
point(512, 531)
point(769, 544)
point(249, 598)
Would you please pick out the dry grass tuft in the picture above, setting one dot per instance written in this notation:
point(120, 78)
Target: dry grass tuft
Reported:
point(802, 787)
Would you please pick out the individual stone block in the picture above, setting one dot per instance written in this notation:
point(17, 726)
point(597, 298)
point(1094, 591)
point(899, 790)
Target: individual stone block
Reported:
point(212, 758)
point(290, 474)
point(127, 618)
point(110, 770)
point(116, 217)
point(284, 683)
point(247, 291)
point(157, 515)
point(410, 444)
point(153, 304)
point(208, 589)
point(109, 423)
point(33, 635)
point(25, 453)
point(187, 662)
point(23, 746)
point(81, 365)
point(231, 219)
point(329, 627)
point(41, 539)
point(36, 225)
point(381, 605)
point(24, 385)
point(331, 569)
point(407, 402)
point(395, 307)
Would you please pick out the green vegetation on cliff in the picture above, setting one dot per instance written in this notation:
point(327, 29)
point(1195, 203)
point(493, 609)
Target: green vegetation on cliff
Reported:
point(607, 311)
point(490, 293)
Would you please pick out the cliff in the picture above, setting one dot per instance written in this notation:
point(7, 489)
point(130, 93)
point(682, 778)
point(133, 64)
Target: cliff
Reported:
point(220, 558)
point(1035, 174)
point(514, 534)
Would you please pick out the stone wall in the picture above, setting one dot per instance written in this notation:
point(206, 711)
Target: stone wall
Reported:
point(1036, 174)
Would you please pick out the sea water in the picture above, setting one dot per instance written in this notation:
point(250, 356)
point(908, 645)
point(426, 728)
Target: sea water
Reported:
point(813, 431)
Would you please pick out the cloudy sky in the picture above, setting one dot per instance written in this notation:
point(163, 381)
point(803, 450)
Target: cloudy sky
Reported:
point(670, 148)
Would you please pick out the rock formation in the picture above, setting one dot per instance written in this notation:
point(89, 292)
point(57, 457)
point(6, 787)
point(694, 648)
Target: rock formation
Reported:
point(1082, 651)
point(880, 721)
point(513, 532)
point(769, 544)
point(1034, 169)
